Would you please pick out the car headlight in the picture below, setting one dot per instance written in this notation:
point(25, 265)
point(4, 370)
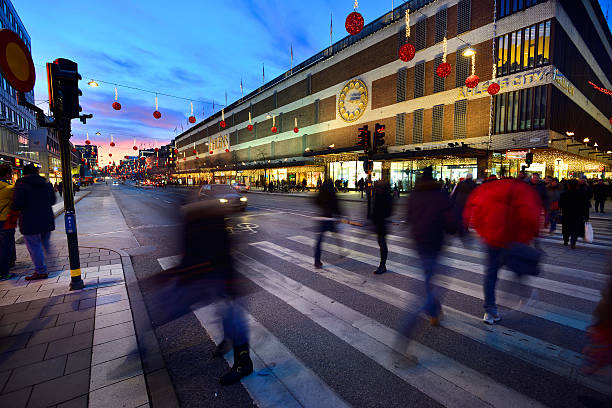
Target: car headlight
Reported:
point(223, 200)
point(243, 199)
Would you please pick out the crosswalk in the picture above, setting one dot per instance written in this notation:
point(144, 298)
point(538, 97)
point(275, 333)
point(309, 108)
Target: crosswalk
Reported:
point(345, 309)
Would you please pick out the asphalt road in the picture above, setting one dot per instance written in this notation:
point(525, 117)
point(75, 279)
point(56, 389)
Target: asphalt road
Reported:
point(337, 327)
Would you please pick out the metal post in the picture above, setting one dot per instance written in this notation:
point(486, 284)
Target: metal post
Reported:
point(69, 214)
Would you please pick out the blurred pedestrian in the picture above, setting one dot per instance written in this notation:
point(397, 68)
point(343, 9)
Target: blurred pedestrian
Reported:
point(429, 215)
point(506, 214)
point(7, 223)
point(459, 198)
point(587, 191)
point(598, 351)
point(361, 186)
point(600, 193)
point(540, 188)
point(34, 198)
point(60, 188)
point(381, 211)
point(553, 193)
point(572, 203)
point(327, 201)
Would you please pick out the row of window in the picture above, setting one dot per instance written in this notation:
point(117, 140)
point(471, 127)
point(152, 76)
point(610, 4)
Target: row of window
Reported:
point(15, 117)
point(13, 24)
point(523, 49)
point(507, 7)
point(520, 111)
point(437, 124)
point(464, 15)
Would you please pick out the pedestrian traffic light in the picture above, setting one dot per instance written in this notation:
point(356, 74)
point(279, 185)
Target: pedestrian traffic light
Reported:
point(364, 138)
point(63, 80)
point(368, 165)
point(379, 135)
point(529, 159)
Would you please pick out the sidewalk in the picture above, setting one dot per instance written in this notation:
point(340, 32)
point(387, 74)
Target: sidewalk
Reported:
point(85, 348)
point(354, 196)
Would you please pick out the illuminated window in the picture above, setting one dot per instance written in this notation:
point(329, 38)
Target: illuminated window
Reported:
point(546, 52)
point(532, 44)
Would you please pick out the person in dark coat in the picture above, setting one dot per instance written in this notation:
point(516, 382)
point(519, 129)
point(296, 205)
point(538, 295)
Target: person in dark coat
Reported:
point(429, 215)
point(361, 186)
point(587, 191)
point(34, 198)
point(327, 201)
point(459, 197)
point(381, 211)
point(572, 204)
point(600, 193)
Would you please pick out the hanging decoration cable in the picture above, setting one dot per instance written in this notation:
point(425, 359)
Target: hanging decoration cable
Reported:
point(192, 119)
point(156, 113)
point(407, 51)
point(250, 125)
point(444, 69)
point(473, 80)
point(116, 104)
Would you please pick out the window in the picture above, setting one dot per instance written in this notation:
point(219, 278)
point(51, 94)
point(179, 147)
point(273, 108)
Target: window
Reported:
point(521, 110)
point(440, 25)
point(462, 71)
point(308, 84)
point(316, 111)
point(507, 7)
point(464, 16)
point(439, 83)
point(400, 131)
point(524, 49)
point(459, 129)
point(417, 128)
point(401, 85)
point(401, 38)
point(419, 80)
point(420, 35)
point(275, 99)
point(437, 123)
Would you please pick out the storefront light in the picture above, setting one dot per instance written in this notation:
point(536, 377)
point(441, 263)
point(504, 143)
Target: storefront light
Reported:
point(469, 52)
point(570, 134)
point(586, 140)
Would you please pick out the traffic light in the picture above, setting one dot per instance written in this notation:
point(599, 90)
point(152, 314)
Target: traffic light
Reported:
point(364, 138)
point(63, 79)
point(368, 165)
point(529, 159)
point(379, 135)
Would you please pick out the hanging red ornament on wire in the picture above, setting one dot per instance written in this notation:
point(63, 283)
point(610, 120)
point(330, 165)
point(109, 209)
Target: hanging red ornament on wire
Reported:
point(211, 152)
point(192, 119)
point(354, 21)
point(274, 129)
point(157, 113)
point(73, 150)
point(134, 147)
point(473, 80)
point(407, 51)
point(444, 69)
point(493, 89)
point(222, 123)
point(250, 125)
point(226, 150)
point(296, 129)
point(116, 104)
point(112, 143)
point(87, 141)
point(611, 121)
point(156, 150)
point(110, 155)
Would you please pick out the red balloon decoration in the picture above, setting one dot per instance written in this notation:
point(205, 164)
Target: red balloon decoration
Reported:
point(157, 114)
point(472, 81)
point(493, 89)
point(135, 148)
point(88, 142)
point(192, 119)
point(250, 127)
point(274, 129)
point(406, 52)
point(112, 144)
point(116, 105)
point(296, 130)
point(223, 124)
point(443, 70)
point(354, 23)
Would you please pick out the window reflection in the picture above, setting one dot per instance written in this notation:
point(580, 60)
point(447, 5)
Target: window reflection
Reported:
point(524, 49)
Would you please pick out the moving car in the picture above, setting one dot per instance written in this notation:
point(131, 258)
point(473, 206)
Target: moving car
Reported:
point(225, 194)
point(241, 187)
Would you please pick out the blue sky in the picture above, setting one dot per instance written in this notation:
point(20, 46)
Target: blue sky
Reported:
point(195, 49)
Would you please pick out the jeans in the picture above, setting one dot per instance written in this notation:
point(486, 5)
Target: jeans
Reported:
point(552, 216)
point(599, 206)
point(429, 262)
point(382, 243)
point(494, 263)
point(234, 324)
point(7, 249)
point(327, 225)
point(37, 245)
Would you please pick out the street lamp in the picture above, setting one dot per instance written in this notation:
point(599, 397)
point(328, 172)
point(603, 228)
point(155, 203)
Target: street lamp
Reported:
point(93, 84)
point(570, 134)
point(586, 140)
point(469, 52)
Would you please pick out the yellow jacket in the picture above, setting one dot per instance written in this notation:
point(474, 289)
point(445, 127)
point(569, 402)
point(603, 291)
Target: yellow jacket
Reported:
point(6, 199)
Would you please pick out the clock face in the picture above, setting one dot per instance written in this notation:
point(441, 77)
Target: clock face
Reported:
point(353, 100)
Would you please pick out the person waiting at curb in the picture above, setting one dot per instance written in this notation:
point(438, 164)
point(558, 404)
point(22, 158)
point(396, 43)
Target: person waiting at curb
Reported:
point(7, 223)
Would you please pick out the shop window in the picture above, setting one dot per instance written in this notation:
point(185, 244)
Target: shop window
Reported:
point(401, 85)
point(400, 131)
point(464, 16)
point(417, 128)
point(459, 129)
point(440, 25)
point(439, 83)
point(420, 35)
point(462, 71)
point(419, 80)
point(437, 123)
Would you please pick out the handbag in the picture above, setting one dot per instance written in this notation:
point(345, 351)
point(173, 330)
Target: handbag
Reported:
point(588, 232)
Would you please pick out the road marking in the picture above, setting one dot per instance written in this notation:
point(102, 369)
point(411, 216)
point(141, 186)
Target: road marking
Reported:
point(436, 375)
point(280, 379)
point(534, 351)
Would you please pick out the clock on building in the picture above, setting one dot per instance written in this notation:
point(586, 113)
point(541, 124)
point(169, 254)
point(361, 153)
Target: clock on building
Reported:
point(353, 100)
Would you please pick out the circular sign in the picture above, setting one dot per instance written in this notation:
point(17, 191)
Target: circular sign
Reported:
point(16, 61)
point(353, 100)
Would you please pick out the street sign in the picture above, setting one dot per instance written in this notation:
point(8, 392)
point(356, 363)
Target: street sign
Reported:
point(16, 61)
point(516, 154)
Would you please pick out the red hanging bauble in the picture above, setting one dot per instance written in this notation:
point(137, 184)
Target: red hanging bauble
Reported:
point(274, 129)
point(197, 157)
point(83, 160)
point(116, 105)
point(112, 144)
point(192, 119)
point(444, 70)
point(250, 127)
point(125, 157)
point(157, 114)
point(211, 152)
point(296, 130)
point(135, 148)
point(88, 142)
point(156, 149)
point(493, 89)
point(611, 121)
point(406, 52)
point(194, 151)
point(222, 123)
point(226, 150)
point(354, 23)
point(184, 159)
point(472, 81)
point(110, 155)
point(73, 150)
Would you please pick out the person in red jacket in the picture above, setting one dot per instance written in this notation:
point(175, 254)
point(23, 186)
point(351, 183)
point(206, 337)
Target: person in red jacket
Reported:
point(502, 212)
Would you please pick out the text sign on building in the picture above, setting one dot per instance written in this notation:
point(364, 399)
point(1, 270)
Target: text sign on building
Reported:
point(219, 144)
point(510, 82)
point(516, 154)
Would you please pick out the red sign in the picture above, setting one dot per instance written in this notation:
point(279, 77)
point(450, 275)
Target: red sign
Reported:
point(16, 61)
point(516, 154)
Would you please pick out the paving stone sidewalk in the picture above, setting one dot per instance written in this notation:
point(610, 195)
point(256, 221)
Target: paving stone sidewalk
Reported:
point(69, 349)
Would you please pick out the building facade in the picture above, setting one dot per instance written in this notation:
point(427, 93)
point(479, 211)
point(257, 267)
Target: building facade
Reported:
point(541, 53)
point(15, 121)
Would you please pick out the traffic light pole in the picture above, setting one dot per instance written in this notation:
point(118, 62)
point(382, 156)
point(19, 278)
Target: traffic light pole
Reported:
point(76, 282)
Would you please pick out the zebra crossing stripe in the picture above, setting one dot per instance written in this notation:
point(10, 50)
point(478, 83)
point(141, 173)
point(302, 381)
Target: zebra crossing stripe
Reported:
point(280, 378)
point(563, 288)
point(548, 356)
point(436, 375)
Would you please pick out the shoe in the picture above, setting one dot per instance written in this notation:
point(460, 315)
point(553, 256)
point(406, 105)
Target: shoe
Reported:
point(36, 276)
point(242, 367)
point(222, 348)
point(490, 318)
point(318, 265)
point(573, 246)
point(7, 276)
point(565, 243)
point(380, 270)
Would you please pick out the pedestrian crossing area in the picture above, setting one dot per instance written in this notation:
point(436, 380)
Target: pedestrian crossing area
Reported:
point(335, 337)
